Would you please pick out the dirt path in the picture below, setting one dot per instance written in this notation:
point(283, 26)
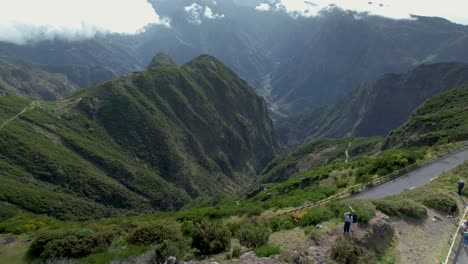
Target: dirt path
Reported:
point(346, 152)
point(421, 241)
point(29, 107)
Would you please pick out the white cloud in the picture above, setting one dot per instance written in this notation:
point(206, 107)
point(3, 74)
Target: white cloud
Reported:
point(454, 10)
point(209, 14)
point(24, 21)
point(263, 7)
point(195, 13)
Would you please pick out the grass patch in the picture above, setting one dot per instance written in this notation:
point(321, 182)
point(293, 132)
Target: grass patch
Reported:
point(267, 251)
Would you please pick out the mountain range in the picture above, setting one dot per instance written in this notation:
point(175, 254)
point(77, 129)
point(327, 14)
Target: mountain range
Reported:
point(375, 108)
point(296, 63)
point(148, 141)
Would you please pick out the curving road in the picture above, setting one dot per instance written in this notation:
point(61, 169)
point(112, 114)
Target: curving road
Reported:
point(417, 177)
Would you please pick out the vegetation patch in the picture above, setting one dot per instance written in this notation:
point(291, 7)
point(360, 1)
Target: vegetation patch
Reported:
point(267, 250)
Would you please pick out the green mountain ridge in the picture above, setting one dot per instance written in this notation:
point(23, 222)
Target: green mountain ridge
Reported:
point(148, 141)
point(375, 108)
point(441, 119)
point(29, 80)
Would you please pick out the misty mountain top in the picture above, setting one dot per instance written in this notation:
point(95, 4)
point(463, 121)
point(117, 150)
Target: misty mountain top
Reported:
point(77, 20)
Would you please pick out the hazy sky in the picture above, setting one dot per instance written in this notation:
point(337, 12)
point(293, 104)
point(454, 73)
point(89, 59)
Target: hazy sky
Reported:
point(454, 10)
point(23, 21)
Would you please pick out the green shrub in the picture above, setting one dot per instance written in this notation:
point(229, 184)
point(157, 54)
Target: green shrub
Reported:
point(236, 252)
point(266, 251)
point(254, 235)
point(274, 223)
point(84, 233)
point(234, 227)
point(396, 207)
point(438, 201)
point(287, 223)
point(344, 251)
point(39, 244)
point(210, 237)
point(187, 228)
point(315, 216)
point(73, 247)
point(149, 235)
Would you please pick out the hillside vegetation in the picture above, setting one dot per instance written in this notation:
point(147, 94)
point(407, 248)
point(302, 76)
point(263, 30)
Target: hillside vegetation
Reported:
point(28, 80)
point(377, 107)
point(441, 119)
point(153, 140)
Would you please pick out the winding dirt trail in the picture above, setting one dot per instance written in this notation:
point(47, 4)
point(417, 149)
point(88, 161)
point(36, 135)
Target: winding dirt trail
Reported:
point(29, 107)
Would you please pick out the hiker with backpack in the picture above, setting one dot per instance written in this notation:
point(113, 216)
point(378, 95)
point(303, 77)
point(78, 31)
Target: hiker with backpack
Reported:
point(349, 218)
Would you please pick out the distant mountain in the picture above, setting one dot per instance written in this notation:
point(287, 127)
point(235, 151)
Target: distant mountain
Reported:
point(84, 62)
point(441, 119)
point(296, 63)
point(375, 108)
point(344, 49)
point(30, 80)
point(152, 140)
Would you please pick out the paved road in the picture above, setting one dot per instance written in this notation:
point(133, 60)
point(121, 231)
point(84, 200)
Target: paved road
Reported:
point(417, 177)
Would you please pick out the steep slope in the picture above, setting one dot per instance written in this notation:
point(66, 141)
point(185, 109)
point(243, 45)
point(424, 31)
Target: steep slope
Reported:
point(317, 153)
point(377, 107)
point(152, 140)
point(29, 80)
point(296, 63)
point(346, 49)
point(441, 119)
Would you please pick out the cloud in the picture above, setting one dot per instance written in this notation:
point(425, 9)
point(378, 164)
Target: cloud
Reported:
point(453, 10)
point(195, 12)
point(263, 7)
point(209, 14)
point(25, 21)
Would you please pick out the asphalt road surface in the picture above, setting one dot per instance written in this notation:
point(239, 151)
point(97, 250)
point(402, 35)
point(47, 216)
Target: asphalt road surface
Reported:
point(417, 177)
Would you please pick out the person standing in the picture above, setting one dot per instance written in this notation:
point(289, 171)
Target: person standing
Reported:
point(453, 209)
point(461, 185)
point(348, 218)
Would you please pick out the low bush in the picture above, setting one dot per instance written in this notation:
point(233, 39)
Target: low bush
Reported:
point(38, 245)
point(254, 235)
point(73, 247)
point(438, 201)
point(82, 233)
point(396, 207)
point(267, 251)
point(281, 223)
point(343, 251)
point(210, 237)
point(315, 216)
point(149, 235)
point(234, 227)
point(236, 252)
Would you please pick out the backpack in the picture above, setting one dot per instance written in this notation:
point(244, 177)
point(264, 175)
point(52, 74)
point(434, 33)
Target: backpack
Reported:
point(355, 218)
